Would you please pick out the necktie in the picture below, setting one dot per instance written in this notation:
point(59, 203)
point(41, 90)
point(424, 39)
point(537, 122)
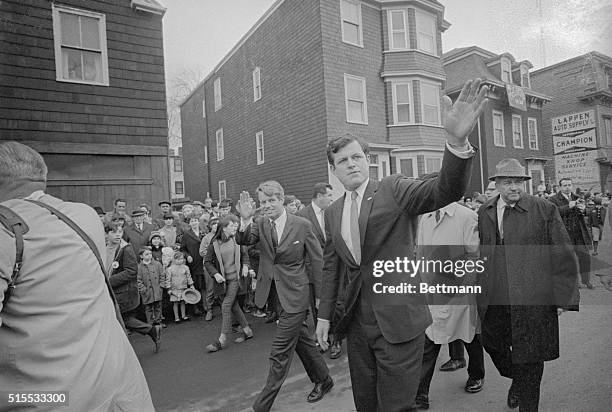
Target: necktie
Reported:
point(355, 240)
point(507, 211)
point(274, 234)
point(437, 215)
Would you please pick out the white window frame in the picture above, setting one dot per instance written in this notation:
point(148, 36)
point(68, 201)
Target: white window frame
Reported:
point(220, 144)
point(525, 73)
point(393, 30)
point(395, 103)
point(348, 77)
point(222, 185)
point(177, 161)
point(420, 31)
point(426, 158)
point(503, 135)
point(176, 191)
point(504, 63)
point(203, 107)
point(437, 87)
point(259, 147)
point(533, 143)
point(520, 131)
point(256, 84)
point(57, 40)
point(205, 154)
point(359, 23)
point(217, 92)
point(415, 169)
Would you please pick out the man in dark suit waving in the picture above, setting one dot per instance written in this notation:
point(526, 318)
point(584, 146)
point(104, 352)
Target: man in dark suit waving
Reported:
point(377, 221)
point(285, 240)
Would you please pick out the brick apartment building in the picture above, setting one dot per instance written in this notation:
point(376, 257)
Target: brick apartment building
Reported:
point(83, 83)
point(511, 125)
point(310, 70)
point(579, 118)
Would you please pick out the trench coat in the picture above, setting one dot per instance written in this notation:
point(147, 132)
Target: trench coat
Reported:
point(123, 278)
point(542, 273)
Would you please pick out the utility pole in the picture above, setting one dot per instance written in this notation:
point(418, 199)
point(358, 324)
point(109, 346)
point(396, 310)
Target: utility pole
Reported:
point(542, 46)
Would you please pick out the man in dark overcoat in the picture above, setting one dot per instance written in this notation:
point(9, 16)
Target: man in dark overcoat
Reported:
point(572, 210)
point(530, 279)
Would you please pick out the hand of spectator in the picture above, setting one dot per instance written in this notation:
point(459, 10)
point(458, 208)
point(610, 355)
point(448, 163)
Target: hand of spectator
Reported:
point(252, 273)
point(189, 259)
point(245, 271)
point(219, 278)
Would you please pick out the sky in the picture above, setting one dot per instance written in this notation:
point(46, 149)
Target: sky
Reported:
point(199, 33)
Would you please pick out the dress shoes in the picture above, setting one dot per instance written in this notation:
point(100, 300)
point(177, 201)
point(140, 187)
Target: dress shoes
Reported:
point(474, 385)
point(422, 402)
point(336, 350)
point(209, 315)
point(320, 389)
point(590, 285)
point(513, 399)
point(453, 365)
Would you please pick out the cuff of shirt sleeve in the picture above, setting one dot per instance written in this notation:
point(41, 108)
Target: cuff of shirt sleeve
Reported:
point(465, 154)
point(322, 320)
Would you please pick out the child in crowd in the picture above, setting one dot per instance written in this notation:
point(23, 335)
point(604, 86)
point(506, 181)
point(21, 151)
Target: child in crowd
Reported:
point(156, 244)
point(167, 254)
point(151, 280)
point(178, 280)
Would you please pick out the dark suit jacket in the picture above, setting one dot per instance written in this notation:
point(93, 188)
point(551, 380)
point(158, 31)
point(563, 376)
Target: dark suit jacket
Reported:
point(573, 219)
point(287, 265)
point(190, 244)
point(124, 279)
point(309, 213)
point(541, 271)
point(388, 227)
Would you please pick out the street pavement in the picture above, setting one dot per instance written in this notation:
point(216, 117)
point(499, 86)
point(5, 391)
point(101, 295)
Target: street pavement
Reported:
point(184, 377)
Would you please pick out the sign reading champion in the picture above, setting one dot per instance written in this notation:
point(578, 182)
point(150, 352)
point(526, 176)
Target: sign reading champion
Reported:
point(575, 148)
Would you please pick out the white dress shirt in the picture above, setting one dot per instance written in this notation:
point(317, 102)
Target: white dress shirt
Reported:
point(280, 225)
point(501, 206)
point(319, 214)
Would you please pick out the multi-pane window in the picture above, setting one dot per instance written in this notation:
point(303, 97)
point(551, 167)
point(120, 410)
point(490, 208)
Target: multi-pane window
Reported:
point(220, 147)
point(355, 99)
point(259, 144)
point(532, 129)
point(217, 90)
point(498, 129)
point(350, 12)
point(426, 32)
point(402, 103)
point(374, 166)
point(80, 46)
point(179, 188)
point(398, 29)
point(256, 84)
point(433, 164)
point(178, 164)
point(525, 76)
point(222, 190)
point(430, 103)
point(203, 107)
point(517, 132)
point(505, 70)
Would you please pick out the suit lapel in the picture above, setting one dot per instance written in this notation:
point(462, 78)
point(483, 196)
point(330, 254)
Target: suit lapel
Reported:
point(335, 219)
point(366, 208)
point(313, 218)
point(267, 229)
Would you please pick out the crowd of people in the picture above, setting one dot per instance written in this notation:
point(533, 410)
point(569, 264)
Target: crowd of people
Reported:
point(307, 268)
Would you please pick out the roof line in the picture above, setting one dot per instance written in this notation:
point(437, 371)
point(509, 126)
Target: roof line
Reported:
point(582, 56)
point(233, 50)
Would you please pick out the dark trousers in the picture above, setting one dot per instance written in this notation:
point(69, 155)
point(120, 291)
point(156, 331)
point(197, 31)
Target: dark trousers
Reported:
point(497, 341)
point(293, 335)
point(208, 297)
point(384, 376)
point(455, 350)
point(132, 323)
point(584, 262)
point(430, 354)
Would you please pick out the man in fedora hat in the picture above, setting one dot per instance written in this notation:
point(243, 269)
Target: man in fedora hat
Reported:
point(165, 208)
point(530, 279)
point(139, 232)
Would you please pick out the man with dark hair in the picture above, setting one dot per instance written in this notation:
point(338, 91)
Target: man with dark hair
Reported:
point(378, 221)
point(530, 279)
point(321, 200)
point(572, 210)
point(285, 241)
point(225, 207)
point(120, 208)
point(165, 208)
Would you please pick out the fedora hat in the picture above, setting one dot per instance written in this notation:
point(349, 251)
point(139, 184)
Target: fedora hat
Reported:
point(191, 296)
point(510, 168)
